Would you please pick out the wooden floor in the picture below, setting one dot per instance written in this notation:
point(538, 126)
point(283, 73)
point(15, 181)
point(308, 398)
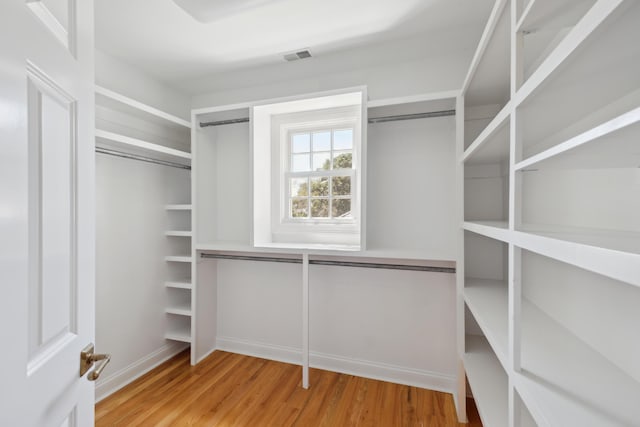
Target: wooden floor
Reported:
point(228, 389)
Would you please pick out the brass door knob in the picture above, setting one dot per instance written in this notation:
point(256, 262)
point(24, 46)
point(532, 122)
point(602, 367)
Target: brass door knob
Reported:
point(87, 360)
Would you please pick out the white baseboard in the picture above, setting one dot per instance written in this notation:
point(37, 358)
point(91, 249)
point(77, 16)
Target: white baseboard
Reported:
point(117, 380)
point(257, 349)
point(362, 368)
point(384, 372)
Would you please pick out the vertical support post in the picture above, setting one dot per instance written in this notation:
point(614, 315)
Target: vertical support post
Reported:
point(515, 155)
point(305, 320)
point(460, 395)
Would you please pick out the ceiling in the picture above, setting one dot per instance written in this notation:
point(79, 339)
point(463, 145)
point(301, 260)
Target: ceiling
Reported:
point(164, 40)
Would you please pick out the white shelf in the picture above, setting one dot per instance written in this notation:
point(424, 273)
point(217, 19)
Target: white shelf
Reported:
point(179, 284)
point(116, 141)
point(325, 250)
point(178, 336)
point(571, 384)
point(487, 81)
point(492, 145)
point(183, 310)
point(551, 13)
point(113, 100)
point(582, 30)
point(599, 252)
point(611, 144)
point(178, 233)
point(176, 258)
point(544, 24)
point(498, 230)
point(178, 207)
point(488, 302)
point(488, 382)
point(593, 82)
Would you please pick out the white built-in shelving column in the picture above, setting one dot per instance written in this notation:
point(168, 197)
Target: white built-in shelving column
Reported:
point(557, 315)
point(179, 284)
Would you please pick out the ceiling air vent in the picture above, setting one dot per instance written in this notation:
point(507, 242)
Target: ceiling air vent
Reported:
point(294, 56)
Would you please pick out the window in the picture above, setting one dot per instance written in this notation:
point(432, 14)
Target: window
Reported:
point(319, 175)
point(307, 182)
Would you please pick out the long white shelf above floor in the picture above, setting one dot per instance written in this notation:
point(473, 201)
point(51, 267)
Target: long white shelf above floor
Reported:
point(179, 284)
point(488, 381)
point(498, 230)
point(178, 258)
point(418, 256)
point(492, 145)
point(565, 382)
point(612, 254)
point(178, 233)
point(488, 302)
point(612, 144)
point(113, 100)
point(111, 140)
point(178, 207)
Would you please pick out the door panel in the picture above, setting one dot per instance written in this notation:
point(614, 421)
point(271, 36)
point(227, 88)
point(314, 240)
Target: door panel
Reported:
point(52, 200)
point(46, 211)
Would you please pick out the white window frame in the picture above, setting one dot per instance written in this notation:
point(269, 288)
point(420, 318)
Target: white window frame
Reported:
point(283, 126)
point(288, 175)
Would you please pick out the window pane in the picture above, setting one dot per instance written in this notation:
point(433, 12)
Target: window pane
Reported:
point(322, 141)
point(299, 187)
point(341, 185)
point(343, 139)
point(341, 208)
point(319, 187)
point(342, 160)
point(320, 208)
point(299, 208)
point(300, 143)
point(300, 163)
point(321, 161)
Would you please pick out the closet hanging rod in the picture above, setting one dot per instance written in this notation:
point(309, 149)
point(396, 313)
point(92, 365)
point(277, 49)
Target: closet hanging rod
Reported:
point(334, 263)
point(427, 115)
point(141, 158)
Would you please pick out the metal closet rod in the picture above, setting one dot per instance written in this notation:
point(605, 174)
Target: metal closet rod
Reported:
point(141, 158)
point(427, 115)
point(385, 266)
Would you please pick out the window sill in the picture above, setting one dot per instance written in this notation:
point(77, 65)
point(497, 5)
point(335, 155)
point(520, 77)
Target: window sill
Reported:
point(310, 246)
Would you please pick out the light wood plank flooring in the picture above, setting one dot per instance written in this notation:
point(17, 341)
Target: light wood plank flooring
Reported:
point(228, 389)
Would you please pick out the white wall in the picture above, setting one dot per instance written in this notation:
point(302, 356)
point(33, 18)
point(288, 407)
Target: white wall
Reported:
point(440, 72)
point(387, 324)
point(411, 186)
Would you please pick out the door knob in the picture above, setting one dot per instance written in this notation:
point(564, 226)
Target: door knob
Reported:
point(88, 358)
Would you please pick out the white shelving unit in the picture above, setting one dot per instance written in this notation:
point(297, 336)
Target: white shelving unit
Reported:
point(180, 265)
point(125, 126)
point(396, 150)
point(550, 314)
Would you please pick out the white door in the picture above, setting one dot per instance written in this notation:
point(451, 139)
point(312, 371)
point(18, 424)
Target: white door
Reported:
point(46, 211)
